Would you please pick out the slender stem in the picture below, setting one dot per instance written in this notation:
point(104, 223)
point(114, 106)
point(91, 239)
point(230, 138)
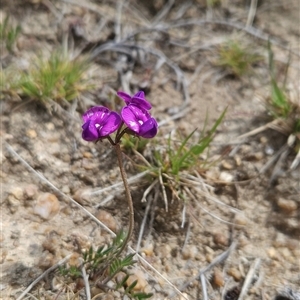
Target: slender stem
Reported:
point(128, 197)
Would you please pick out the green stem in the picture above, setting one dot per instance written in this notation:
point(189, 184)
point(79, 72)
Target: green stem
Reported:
point(128, 197)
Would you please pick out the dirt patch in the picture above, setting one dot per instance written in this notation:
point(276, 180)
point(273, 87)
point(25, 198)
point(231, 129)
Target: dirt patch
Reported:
point(259, 216)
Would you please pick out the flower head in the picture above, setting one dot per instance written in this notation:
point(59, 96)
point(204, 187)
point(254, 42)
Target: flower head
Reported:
point(99, 122)
point(139, 121)
point(138, 99)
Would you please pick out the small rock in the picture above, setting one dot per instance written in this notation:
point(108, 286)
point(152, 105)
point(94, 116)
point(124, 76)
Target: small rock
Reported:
point(30, 191)
point(13, 204)
point(189, 252)
point(106, 218)
point(218, 278)
point(87, 154)
point(272, 253)
point(17, 192)
point(238, 160)
point(220, 239)
point(82, 196)
point(50, 126)
point(47, 206)
point(240, 219)
point(148, 250)
point(31, 133)
point(141, 280)
point(227, 165)
point(286, 206)
point(225, 176)
point(235, 273)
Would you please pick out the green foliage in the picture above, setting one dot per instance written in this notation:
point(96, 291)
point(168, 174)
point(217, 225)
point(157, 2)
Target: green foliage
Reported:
point(236, 58)
point(104, 264)
point(9, 34)
point(279, 104)
point(58, 78)
point(186, 155)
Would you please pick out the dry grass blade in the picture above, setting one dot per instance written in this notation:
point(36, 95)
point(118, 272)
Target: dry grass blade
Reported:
point(86, 283)
point(252, 12)
point(249, 278)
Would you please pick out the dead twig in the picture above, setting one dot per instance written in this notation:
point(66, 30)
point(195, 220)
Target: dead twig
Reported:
point(249, 278)
point(252, 13)
point(86, 283)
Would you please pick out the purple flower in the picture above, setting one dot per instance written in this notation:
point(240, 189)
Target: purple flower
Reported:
point(139, 121)
point(99, 122)
point(138, 99)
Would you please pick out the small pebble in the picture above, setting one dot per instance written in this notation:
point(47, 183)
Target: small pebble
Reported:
point(227, 165)
point(13, 204)
point(106, 218)
point(220, 239)
point(235, 273)
point(225, 176)
point(31, 133)
point(82, 196)
point(240, 219)
point(272, 253)
point(141, 280)
point(17, 192)
point(30, 191)
point(189, 252)
point(87, 154)
point(148, 250)
point(50, 126)
point(286, 206)
point(47, 206)
point(218, 278)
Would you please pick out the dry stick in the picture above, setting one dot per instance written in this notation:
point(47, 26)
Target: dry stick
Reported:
point(41, 177)
point(128, 197)
point(61, 262)
point(204, 289)
point(161, 182)
point(86, 283)
point(138, 244)
point(163, 12)
point(252, 12)
point(249, 278)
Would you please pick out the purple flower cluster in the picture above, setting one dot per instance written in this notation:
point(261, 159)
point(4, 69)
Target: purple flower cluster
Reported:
point(100, 122)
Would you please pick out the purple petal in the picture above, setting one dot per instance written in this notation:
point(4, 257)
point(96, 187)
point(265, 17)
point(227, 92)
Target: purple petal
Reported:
point(141, 102)
point(134, 116)
point(110, 125)
point(149, 129)
point(99, 112)
point(90, 132)
point(125, 97)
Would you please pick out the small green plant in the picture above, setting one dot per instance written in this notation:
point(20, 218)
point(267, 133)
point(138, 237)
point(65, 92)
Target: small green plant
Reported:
point(103, 265)
point(58, 78)
point(185, 155)
point(236, 58)
point(279, 104)
point(9, 34)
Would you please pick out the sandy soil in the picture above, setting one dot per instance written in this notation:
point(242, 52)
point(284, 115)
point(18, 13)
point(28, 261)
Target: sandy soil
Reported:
point(259, 220)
